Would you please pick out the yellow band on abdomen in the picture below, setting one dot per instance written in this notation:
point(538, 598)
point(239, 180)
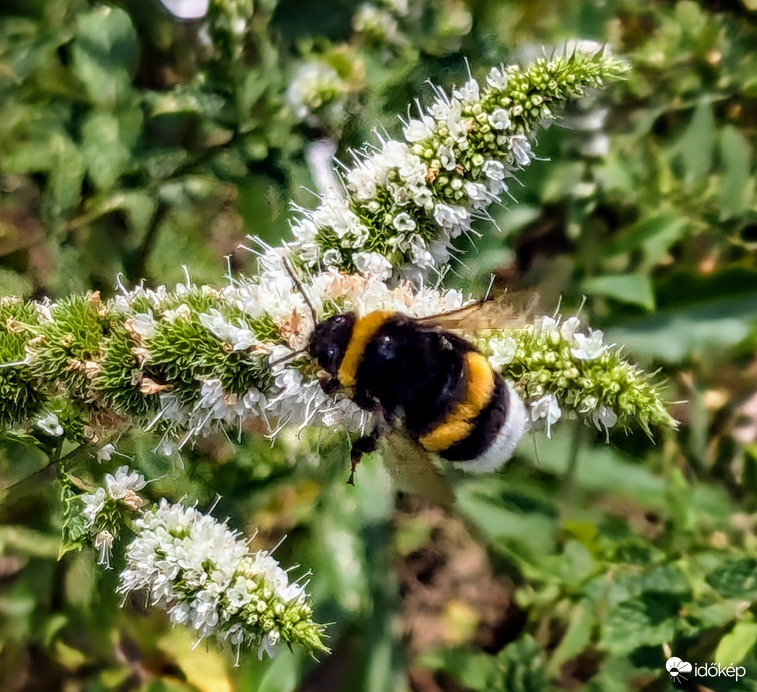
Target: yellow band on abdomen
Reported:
point(458, 424)
point(363, 331)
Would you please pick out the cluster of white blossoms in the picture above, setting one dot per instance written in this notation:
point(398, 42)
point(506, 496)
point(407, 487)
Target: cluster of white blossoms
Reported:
point(292, 395)
point(404, 202)
point(204, 575)
point(378, 23)
point(316, 85)
point(101, 513)
point(565, 370)
point(200, 571)
point(196, 360)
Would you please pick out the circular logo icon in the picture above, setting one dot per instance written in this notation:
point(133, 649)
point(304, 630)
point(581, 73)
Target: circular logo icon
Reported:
point(676, 667)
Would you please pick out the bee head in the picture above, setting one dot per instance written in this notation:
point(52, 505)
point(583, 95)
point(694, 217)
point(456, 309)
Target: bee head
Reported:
point(330, 339)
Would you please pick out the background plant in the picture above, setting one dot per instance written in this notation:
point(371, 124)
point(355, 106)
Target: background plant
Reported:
point(591, 558)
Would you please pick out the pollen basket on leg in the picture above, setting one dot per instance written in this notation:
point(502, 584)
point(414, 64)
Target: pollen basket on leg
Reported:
point(480, 384)
point(363, 331)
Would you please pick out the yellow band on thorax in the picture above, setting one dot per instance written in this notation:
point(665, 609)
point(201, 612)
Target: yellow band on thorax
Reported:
point(458, 424)
point(363, 331)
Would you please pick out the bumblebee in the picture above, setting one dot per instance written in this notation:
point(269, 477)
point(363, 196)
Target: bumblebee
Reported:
point(417, 377)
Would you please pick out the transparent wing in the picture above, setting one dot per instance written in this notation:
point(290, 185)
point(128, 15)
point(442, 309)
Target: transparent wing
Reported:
point(413, 471)
point(511, 310)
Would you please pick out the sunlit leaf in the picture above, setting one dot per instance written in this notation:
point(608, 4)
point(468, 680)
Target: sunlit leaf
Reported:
point(737, 183)
point(739, 642)
point(105, 52)
point(635, 289)
point(735, 579)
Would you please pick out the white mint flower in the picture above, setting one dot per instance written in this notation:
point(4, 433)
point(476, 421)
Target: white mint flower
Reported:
point(186, 9)
point(503, 351)
point(568, 328)
point(143, 324)
point(361, 181)
point(419, 252)
point(332, 257)
point(418, 130)
point(493, 170)
point(50, 424)
point(588, 346)
point(124, 487)
point(546, 408)
point(447, 158)
point(105, 452)
point(521, 149)
point(403, 222)
point(313, 85)
point(497, 78)
point(604, 418)
point(93, 505)
point(478, 194)
point(104, 542)
point(240, 338)
point(500, 119)
point(469, 92)
point(373, 264)
point(545, 325)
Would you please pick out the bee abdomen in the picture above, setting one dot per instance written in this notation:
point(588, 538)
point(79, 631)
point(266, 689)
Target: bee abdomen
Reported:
point(494, 435)
point(484, 428)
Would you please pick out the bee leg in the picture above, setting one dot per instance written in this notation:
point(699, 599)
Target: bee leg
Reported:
point(329, 384)
point(363, 445)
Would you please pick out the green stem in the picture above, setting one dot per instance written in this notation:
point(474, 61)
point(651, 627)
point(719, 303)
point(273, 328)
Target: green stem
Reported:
point(568, 492)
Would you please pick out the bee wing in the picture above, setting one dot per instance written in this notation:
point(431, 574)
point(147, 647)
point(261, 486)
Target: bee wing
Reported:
point(511, 310)
point(413, 471)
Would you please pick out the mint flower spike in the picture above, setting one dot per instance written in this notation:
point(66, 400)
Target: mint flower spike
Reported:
point(564, 370)
point(198, 570)
point(204, 575)
point(195, 360)
point(404, 202)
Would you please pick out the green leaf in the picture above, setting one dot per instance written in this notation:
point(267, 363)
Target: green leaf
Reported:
point(653, 235)
point(105, 54)
point(643, 621)
point(737, 183)
point(107, 141)
point(66, 176)
point(735, 579)
point(522, 667)
point(667, 580)
point(282, 675)
point(526, 533)
point(575, 639)
point(474, 670)
point(739, 642)
point(26, 541)
point(672, 335)
point(697, 145)
point(635, 289)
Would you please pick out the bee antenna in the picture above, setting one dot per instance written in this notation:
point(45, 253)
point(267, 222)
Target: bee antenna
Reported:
point(287, 357)
point(488, 293)
point(300, 288)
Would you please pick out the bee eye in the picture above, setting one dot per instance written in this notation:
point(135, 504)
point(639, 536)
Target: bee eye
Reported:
point(386, 340)
point(331, 351)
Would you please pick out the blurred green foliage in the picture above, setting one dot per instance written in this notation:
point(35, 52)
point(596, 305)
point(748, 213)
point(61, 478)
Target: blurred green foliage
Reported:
point(131, 143)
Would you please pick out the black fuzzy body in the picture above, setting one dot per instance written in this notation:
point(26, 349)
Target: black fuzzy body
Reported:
point(412, 374)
